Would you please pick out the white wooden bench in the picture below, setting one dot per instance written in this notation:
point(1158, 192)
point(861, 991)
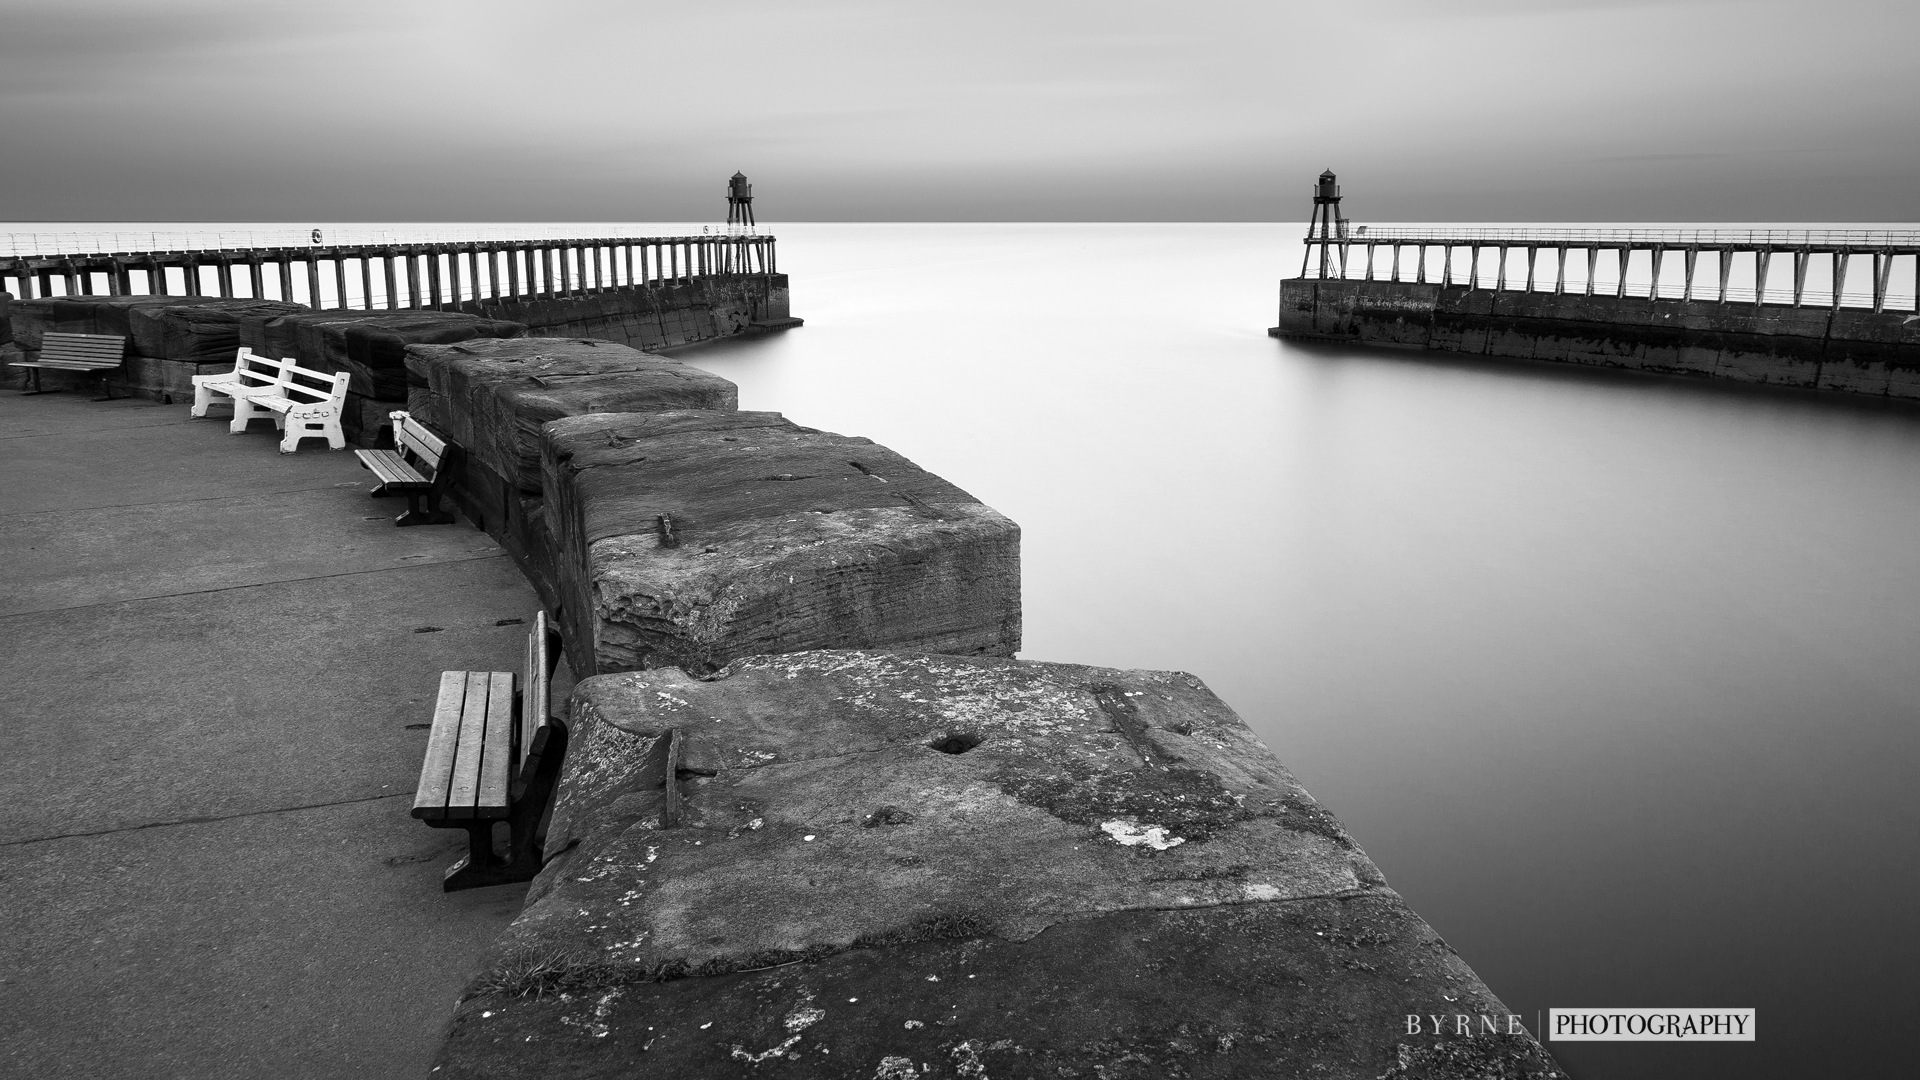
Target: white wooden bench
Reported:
point(303, 403)
point(94, 354)
point(419, 466)
point(494, 755)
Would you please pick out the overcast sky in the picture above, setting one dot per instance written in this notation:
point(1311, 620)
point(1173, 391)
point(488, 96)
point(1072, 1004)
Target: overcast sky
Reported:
point(846, 110)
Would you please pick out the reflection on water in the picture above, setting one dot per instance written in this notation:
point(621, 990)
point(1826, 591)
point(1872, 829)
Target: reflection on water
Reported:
point(1614, 676)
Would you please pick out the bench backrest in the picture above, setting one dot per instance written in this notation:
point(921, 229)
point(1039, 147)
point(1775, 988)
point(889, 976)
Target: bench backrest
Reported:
point(532, 740)
point(417, 442)
point(252, 369)
point(105, 349)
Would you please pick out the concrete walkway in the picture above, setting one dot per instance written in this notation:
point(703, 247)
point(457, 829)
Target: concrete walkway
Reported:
point(218, 663)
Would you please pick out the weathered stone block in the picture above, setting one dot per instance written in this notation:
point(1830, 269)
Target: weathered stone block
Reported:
point(370, 344)
point(492, 395)
point(877, 858)
point(781, 538)
point(201, 329)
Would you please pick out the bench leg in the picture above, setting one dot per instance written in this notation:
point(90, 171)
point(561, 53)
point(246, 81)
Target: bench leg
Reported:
point(431, 514)
point(33, 379)
point(202, 397)
point(243, 411)
point(481, 867)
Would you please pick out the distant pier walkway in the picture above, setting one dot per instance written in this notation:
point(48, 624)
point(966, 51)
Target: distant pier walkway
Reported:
point(1833, 268)
point(394, 276)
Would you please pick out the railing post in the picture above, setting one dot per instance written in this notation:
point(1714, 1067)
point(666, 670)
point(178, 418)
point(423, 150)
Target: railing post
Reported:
point(413, 276)
point(1801, 258)
point(1839, 275)
point(1882, 265)
point(1725, 256)
point(1761, 259)
point(1626, 258)
point(393, 289)
point(256, 276)
point(313, 281)
point(1692, 257)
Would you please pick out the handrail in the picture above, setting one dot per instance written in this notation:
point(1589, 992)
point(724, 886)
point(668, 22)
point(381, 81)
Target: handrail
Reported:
point(57, 243)
point(1785, 238)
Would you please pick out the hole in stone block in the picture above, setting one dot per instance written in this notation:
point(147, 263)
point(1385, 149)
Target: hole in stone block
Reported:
point(957, 743)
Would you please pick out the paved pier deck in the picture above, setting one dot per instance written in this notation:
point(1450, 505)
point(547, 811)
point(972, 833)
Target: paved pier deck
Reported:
point(215, 657)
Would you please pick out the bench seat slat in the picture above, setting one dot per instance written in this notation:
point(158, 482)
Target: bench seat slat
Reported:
point(496, 758)
point(464, 790)
point(66, 365)
point(391, 469)
point(436, 772)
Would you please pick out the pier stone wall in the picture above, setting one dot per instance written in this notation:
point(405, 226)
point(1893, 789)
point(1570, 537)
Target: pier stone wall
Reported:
point(655, 316)
point(492, 397)
point(891, 865)
point(1848, 350)
point(177, 337)
point(171, 338)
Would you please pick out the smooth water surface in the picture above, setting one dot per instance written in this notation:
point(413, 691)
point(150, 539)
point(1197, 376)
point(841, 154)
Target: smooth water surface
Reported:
point(1614, 676)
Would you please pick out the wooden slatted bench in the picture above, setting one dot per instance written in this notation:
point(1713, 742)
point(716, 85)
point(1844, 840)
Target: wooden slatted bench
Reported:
point(303, 403)
point(94, 354)
point(419, 466)
point(494, 755)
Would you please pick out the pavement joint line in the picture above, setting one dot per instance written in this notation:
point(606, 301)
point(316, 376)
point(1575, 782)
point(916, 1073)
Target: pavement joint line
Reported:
point(203, 820)
point(253, 585)
point(172, 502)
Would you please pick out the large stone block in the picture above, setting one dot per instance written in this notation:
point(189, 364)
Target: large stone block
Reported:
point(873, 860)
point(492, 395)
point(372, 345)
point(690, 538)
point(198, 329)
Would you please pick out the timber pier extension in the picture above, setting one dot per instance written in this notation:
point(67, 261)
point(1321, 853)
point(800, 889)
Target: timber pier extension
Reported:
point(1822, 309)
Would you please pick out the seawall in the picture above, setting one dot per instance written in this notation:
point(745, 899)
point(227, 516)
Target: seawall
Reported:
point(815, 817)
point(1848, 350)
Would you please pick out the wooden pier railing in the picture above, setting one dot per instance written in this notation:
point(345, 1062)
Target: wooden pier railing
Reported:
point(1719, 265)
point(393, 276)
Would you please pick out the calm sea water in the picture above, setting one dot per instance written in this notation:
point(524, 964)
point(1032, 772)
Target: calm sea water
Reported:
point(1614, 676)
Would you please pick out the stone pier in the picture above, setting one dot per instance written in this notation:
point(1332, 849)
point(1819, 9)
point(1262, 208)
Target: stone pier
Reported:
point(862, 864)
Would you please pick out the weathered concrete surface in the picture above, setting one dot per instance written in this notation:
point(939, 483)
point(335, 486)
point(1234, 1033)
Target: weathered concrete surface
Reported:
point(783, 538)
point(492, 396)
point(1849, 350)
point(1111, 876)
point(655, 316)
point(206, 862)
